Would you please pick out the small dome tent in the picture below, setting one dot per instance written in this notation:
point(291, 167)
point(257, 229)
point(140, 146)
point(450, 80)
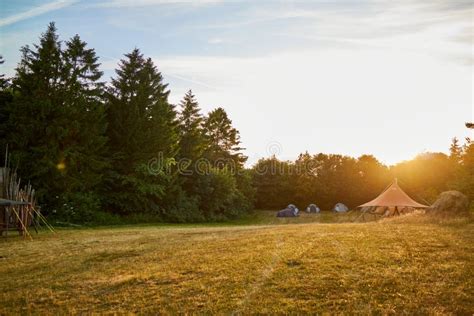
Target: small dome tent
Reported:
point(313, 208)
point(290, 211)
point(294, 208)
point(340, 208)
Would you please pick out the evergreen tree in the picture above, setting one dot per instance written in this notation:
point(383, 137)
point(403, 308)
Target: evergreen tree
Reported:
point(455, 151)
point(142, 136)
point(211, 193)
point(223, 141)
point(56, 125)
point(223, 152)
point(192, 142)
point(83, 96)
point(3, 80)
point(163, 122)
point(37, 121)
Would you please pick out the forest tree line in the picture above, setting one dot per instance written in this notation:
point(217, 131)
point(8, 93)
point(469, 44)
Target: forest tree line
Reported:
point(97, 150)
point(88, 146)
point(327, 179)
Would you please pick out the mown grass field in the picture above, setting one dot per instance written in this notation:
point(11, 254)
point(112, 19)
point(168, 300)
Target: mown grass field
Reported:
point(412, 264)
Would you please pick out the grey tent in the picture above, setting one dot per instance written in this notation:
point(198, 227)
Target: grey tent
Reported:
point(290, 211)
point(313, 208)
point(294, 208)
point(340, 208)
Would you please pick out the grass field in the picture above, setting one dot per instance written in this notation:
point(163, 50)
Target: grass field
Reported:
point(410, 264)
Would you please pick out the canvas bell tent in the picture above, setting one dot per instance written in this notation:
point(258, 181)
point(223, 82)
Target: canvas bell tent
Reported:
point(392, 201)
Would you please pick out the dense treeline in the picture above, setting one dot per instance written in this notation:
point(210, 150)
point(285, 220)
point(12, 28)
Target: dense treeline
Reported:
point(97, 150)
point(328, 179)
point(122, 147)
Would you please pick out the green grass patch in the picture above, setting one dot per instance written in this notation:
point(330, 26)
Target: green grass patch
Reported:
point(311, 264)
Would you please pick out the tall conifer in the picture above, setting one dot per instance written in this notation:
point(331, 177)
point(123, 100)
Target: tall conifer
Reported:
point(142, 136)
point(56, 125)
point(224, 140)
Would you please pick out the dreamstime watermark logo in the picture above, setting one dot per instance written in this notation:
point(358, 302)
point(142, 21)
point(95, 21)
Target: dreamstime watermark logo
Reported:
point(156, 165)
point(270, 165)
point(274, 149)
point(187, 167)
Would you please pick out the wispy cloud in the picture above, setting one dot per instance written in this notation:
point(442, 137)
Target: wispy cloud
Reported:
point(144, 3)
point(439, 28)
point(39, 10)
point(217, 40)
point(377, 19)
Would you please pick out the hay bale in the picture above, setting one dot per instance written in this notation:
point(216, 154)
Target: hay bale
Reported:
point(450, 202)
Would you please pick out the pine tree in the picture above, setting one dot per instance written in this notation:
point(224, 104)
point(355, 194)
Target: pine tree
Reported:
point(142, 136)
point(37, 121)
point(223, 141)
point(163, 123)
point(3, 80)
point(224, 189)
point(455, 151)
point(192, 142)
point(56, 125)
point(83, 96)
point(191, 147)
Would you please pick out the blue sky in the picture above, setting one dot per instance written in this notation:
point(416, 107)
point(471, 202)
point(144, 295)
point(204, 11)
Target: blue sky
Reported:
point(391, 78)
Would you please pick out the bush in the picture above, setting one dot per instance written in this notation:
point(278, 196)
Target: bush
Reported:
point(220, 198)
point(181, 208)
point(81, 208)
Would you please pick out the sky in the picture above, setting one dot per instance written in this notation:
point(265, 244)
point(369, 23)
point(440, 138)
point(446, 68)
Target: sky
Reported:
point(388, 78)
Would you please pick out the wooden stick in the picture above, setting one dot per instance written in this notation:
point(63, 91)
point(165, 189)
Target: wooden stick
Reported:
point(21, 222)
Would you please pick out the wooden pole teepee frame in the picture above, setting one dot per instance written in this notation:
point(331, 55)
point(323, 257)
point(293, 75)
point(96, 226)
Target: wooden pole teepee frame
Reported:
point(18, 210)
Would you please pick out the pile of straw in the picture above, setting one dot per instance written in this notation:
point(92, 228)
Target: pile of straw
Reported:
point(450, 202)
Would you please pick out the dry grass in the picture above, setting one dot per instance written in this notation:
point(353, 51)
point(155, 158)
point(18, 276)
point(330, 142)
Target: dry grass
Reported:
point(407, 265)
